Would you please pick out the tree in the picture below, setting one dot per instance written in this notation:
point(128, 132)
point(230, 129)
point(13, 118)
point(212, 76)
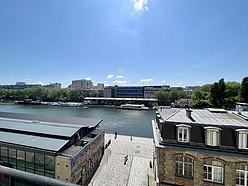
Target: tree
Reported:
point(214, 94)
point(162, 97)
point(221, 92)
point(218, 93)
point(244, 90)
point(232, 94)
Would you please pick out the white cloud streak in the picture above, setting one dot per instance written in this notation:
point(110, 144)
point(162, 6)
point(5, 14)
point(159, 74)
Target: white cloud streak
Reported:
point(117, 82)
point(110, 76)
point(146, 80)
point(119, 76)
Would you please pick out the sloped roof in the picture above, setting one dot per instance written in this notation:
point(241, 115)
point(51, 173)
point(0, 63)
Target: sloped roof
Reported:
point(203, 116)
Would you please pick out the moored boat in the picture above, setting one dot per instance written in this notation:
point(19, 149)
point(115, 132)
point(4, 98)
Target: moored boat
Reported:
point(133, 107)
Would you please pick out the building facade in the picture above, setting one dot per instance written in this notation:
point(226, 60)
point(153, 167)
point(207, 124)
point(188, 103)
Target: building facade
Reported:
point(63, 148)
point(82, 84)
point(200, 147)
point(149, 91)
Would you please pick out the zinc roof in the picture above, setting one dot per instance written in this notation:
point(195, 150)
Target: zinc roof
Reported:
point(83, 122)
point(203, 116)
point(41, 131)
point(39, 127)
point(45, 143)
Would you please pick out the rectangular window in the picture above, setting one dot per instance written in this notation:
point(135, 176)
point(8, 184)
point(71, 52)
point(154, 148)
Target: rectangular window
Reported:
point(29, 162)
point(243, 140)
point(39, 163)
point(20, 156)
point(184, 166)
point(241, 175)
point(4, 154)
point(213, 172)
point(183, 133)
point(12, 157)
point(212, 137)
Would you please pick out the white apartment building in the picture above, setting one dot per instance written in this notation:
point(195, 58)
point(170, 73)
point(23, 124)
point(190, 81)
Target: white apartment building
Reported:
point(82, 84)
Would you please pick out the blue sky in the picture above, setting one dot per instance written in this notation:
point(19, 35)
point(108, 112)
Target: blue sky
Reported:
point(123, 42)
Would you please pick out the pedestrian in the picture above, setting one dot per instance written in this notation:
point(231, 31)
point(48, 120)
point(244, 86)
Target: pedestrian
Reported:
point(131, 137)
point(115, 134)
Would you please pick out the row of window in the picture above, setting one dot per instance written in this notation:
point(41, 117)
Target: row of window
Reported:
point(32, 162)
point(213, 170)
point(212, 135)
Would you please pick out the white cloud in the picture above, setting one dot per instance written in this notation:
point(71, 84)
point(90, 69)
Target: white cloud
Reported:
point(117, 82)
point(119, 76)
point(110, 76)
point(163, 81)
point(140, 5)
point(88, 78)
point(146, 80)
point(40, 83)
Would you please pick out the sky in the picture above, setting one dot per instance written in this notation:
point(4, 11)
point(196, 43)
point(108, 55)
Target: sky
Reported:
point(123, 42)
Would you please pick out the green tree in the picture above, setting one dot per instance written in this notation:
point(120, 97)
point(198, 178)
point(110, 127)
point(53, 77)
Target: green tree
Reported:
point(174, 95)
point(221, 92)
point(214, 94)
point(218, 93)
point(232, 94)
point(162, 97)
point(244, 90)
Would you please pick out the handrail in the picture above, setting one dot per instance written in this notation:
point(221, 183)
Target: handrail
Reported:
point(34, 177)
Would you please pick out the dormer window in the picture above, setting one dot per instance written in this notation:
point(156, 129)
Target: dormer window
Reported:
point(183, 133)
point(212, 136)
point(243, 138)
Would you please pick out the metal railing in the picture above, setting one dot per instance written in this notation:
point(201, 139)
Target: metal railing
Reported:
point(38, 179)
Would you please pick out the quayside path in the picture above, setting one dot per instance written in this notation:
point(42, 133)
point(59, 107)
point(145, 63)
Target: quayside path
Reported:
point(126, 162)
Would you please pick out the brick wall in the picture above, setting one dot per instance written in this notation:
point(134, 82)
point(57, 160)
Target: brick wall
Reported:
point(166, 167)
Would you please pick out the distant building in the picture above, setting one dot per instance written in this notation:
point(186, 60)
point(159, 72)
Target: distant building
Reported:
point(64, 148)
point(110, 91)
point(130, 92)
point(200, 147)
point(149, 91)
point(82, 84)
point(190, 89)
point(20, 83)
point(54, 85)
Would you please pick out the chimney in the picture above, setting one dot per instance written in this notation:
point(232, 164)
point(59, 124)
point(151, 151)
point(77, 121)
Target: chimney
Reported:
point(188, 112)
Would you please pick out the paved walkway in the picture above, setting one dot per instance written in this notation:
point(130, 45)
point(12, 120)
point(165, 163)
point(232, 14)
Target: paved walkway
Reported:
point(136, 171)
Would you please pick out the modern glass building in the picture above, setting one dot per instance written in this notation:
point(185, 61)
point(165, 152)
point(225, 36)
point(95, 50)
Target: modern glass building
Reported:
point(64, 148)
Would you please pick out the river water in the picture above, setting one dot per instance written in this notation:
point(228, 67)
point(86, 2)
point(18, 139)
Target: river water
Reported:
point(125, 122)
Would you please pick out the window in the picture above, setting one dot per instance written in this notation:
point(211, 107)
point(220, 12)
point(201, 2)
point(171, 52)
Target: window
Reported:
point(213, 171)
point(184, 166)
point(183, 133)
point(242, 138)
point(212, 136)
point(241, 175)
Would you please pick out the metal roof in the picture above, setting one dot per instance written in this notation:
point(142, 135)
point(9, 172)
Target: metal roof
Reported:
point(83, 122)
point(39, 142)
point(41, 131)
point(38, 127)
point(204, 117)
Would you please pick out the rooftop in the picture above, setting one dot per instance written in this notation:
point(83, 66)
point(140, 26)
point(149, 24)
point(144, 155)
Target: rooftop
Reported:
point(45, 132)
point(215, 117)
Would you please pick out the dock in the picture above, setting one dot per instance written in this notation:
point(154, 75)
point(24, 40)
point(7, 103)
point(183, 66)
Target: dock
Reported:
point(127, 162)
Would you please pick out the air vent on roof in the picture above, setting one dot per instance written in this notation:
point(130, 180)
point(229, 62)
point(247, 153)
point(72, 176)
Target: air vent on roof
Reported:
point(217, 110)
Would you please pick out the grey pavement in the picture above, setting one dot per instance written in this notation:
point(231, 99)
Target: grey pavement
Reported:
point(136, 171)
